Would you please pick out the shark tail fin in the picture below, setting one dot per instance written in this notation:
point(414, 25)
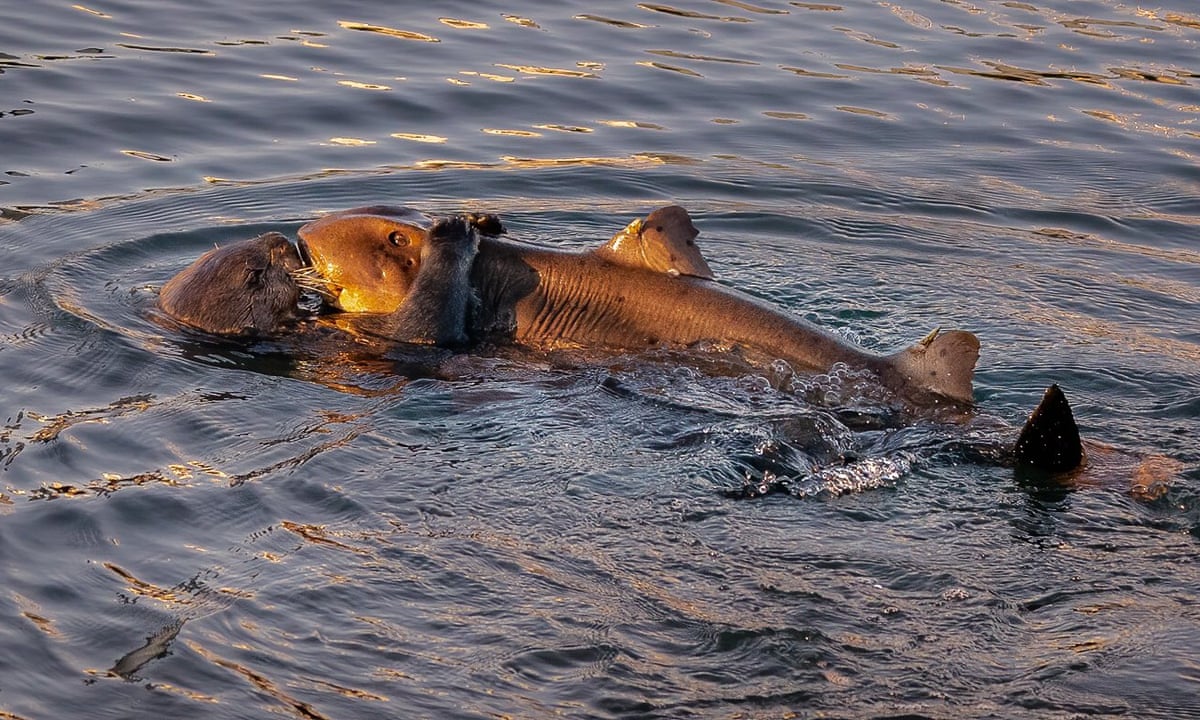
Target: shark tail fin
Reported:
point(942, 363)
point(1050, 439)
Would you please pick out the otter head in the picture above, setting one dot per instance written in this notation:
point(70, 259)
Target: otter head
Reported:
point(367, 259)
point(246, 288)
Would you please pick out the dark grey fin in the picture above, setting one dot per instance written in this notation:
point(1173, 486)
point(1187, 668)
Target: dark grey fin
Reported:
point(664, 241)
point(1050, 439)
point(941, 363)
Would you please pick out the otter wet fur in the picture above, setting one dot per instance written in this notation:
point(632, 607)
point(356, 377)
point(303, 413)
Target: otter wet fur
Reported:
point(246, 288)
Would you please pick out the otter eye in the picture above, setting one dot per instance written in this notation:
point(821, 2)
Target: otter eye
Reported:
point(397, 238)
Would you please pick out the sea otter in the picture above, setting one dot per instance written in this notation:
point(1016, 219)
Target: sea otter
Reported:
point(243, 289)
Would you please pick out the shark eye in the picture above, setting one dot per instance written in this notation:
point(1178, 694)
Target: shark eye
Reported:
point(397, 238)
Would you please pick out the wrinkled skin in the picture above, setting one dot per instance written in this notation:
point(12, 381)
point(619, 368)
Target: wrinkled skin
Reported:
point(245, 288)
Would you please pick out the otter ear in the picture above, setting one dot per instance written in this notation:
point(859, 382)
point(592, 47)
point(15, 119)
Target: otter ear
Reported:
point(253, 274)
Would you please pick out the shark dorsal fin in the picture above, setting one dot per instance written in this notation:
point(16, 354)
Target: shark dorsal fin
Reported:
point(663, 241)
point(1050, 439)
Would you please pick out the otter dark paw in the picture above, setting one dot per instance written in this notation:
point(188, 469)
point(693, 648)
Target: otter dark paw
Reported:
point(450, 229)
point(486, 223)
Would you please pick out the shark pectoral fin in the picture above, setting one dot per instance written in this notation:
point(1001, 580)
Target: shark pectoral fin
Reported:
point(1050, 439)
point(942, 363)
point(664, 241)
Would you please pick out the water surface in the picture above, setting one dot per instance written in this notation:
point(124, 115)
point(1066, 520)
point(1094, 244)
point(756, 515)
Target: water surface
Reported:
point(194, 529)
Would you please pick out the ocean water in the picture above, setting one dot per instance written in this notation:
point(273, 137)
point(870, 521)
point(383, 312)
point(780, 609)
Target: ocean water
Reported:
point(197, 529)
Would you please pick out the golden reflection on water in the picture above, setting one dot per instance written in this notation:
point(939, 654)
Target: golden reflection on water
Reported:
point(690, 14)
point(813, 74)
point(1132, 340)
point(510, 133)
point(631, 124)
point(522, 21)
point(918, 72)
point(1130, 123)
point(55, 425)
point(911, 17)
point(565, 128)
point(863, 111)
point(512, 162)
point(1013, 20)
point(392, 32)
point(362, 85)
point(34, 613)
point(488, 76)
point(165, 49)
point(870, 39)
point(1187, 21)
point(463, 24)
point(671, 68)
point(318, 535)
point(141, 154)
point(260, 681)
point(705, 58)
point(141, 588)
point(818, 7)
point(752, 8)
point(418, 137)
point(90, 11)
point(542, 70)
point(610, 21)
point(176, 475)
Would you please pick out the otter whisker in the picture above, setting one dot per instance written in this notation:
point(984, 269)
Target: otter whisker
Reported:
point(306, 271)
point(307, 278)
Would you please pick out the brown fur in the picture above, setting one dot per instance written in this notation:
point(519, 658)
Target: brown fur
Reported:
point(245, 288)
